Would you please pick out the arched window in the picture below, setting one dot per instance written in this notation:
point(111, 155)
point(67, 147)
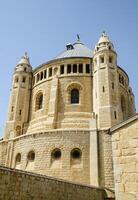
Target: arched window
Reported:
point(18, 161)
point(31, 156)
point(76, 156)
point(18, 130)
point(56, 154)
point(18, 158)
point(123, 106)
point(39, 101)
point(74, 96)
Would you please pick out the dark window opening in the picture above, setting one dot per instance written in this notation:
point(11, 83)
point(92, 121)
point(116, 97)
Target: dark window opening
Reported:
point(80, 68)
point(24, 79)
point(74, 96)
point(12, 109)
point(115, 115)
point(50, 72)
point(39, 101)
point(68, 69)
point(41, 75)
point(16, 79)
point(74, 68)
point(102, 59)
point(113, 86)
point(20, 112)
point(31, 156)
point(76, 154)
point(61, 69)
point(56, 154)
point(37, 78)
point(103, 89)
point(45, 73)
point(110, 59)
point(18, 158)
point(25, 69)
point(87, 68)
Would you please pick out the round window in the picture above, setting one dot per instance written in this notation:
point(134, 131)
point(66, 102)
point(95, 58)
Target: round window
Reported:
point(76, 153)
point(31, 156)
point(56, 154)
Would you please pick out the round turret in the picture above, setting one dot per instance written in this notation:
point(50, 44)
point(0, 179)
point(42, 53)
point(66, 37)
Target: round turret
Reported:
point(104, 43)
point(24, 64)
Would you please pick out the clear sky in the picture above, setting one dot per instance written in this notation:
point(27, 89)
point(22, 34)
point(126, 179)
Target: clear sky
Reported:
point(44, 27)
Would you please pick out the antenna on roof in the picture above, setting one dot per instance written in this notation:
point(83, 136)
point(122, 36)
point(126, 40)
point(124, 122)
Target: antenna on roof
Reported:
point(78, 37)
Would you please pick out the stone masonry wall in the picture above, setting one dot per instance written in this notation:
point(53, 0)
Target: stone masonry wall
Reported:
point(125, 158)
point(20, 185)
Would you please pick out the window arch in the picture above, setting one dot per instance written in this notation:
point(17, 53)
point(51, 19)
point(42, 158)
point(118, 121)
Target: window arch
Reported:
point(76, 157)
point(39, 101)
point(123, 106)
point(18, 158)
point(31, 156)
point(18, 161)
point(18, 130)
point(75, 96)
point(56, 154)
point(74, 93)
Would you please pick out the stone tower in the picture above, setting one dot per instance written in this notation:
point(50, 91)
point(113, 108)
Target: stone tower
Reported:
point(105, 92)
point(18, 114)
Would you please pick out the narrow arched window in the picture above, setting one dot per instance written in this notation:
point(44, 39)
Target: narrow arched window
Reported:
point(39, 101)
point(74, 96)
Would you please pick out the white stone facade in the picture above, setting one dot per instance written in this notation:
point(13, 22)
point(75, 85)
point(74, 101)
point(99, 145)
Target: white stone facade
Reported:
point(60, 114)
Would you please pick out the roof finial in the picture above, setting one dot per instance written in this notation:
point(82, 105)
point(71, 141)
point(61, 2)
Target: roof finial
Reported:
point(78, 37)
point(26, 55)
point(104, 34)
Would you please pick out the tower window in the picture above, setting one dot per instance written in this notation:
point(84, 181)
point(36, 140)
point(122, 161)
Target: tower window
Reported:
point(50, 72)
point(45, 73)
point(87, 68)
point(37, 78)
point(24, 79)
point(20, 112)
point(110, 59)
point(68, 69)
point(103, 89)
point(16, 79)
point(113, 85)
point(41, 75)
point(18, 130)
point(25, 69)
point(109, 47)
point(61, 69)
point(80, 68)
point(74, 68)
point(74, 96)
point(102, 59)
point(39, 101)
point(115, 114)
point(12, 108)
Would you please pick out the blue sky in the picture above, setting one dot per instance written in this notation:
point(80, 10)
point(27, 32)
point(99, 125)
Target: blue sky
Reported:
point(44, 27)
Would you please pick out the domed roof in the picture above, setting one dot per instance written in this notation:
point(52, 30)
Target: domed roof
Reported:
point(104, 38)
point(77, 49)
point(24, 60)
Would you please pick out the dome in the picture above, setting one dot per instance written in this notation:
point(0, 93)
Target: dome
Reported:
point(24, 60)
point(24, 64)
point(77, 49)
point(104, 38)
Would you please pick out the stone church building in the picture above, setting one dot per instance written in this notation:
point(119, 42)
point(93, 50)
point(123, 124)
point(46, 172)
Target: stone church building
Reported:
point(73, 118)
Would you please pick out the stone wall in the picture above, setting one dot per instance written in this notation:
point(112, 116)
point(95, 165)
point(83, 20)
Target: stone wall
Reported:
point(15, 185)
point(125, 158)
